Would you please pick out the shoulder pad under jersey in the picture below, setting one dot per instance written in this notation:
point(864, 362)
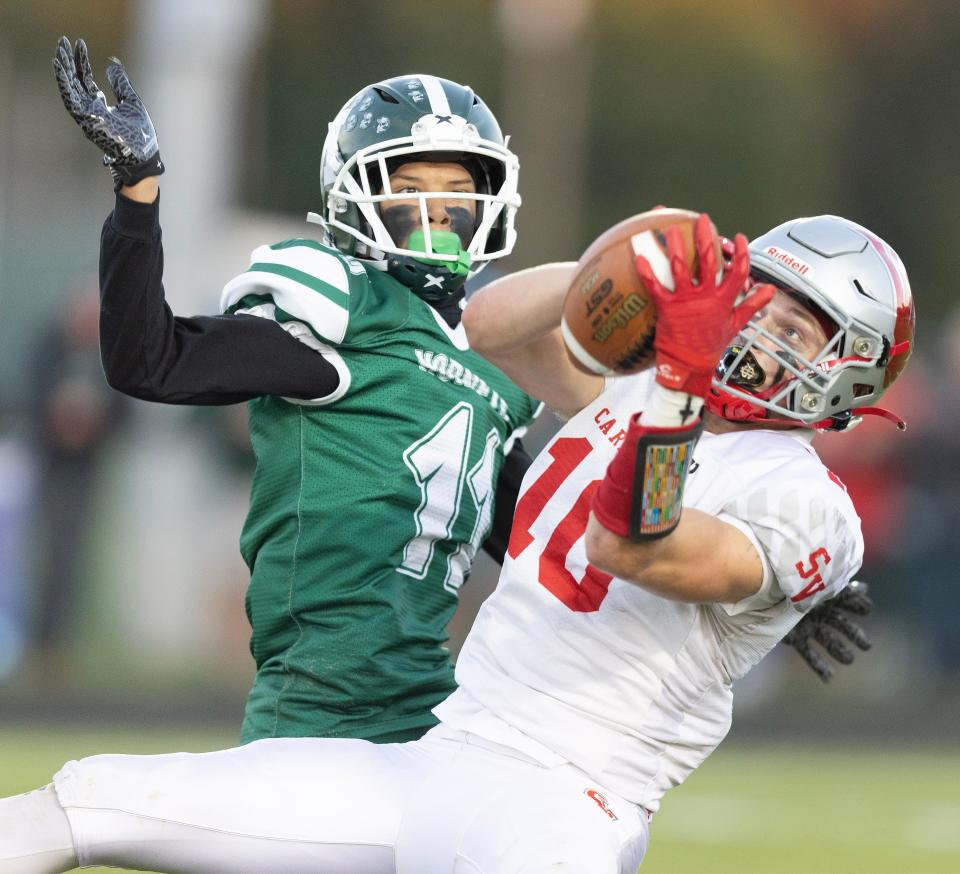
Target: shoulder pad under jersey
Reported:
point(300, 280)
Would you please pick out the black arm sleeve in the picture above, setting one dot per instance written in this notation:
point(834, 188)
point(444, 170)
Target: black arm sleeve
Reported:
point(505, 501)
point(149, 353)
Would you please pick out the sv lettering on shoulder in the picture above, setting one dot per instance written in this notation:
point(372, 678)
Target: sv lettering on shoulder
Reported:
point(448, 369)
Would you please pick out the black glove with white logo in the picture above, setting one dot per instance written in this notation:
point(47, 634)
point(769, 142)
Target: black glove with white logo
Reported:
point(124, 133)
point(830, 625)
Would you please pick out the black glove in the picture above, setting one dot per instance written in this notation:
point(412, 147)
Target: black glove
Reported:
point(828, 624)
point(124, 133)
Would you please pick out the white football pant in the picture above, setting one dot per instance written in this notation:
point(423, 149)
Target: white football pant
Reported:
point(450, 803)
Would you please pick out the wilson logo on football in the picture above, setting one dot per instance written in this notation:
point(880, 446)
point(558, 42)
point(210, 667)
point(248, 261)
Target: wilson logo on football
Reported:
point(600, 801)
point(788, 260)
point(620, 317)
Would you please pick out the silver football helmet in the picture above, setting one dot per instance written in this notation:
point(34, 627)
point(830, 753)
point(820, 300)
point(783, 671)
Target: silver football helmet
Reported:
point(857, 287)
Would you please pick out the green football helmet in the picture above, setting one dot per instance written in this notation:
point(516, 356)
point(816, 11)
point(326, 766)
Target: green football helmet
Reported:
point(407, 119)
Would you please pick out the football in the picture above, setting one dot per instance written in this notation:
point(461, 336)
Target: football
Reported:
point(609, 318)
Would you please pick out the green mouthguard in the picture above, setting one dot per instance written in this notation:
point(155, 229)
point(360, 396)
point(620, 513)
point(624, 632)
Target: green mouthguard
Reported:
point(444, 243)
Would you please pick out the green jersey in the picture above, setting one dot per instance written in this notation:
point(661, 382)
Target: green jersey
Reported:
point(368, 505)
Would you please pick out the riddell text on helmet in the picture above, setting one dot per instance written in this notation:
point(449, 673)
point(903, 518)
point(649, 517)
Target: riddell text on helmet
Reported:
point(789, 260)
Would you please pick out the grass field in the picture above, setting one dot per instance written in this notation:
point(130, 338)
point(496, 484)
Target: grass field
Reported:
point(787, 809)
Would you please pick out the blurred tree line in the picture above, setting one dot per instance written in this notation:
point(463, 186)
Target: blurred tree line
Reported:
point(754, 110)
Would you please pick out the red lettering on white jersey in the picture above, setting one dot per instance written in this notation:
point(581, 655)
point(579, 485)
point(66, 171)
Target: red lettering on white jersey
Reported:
point(816, 584)
point(607, 423)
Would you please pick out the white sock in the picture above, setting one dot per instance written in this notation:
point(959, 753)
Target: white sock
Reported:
point(35, 836)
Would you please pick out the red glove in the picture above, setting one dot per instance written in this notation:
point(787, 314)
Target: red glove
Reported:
point(697, 320)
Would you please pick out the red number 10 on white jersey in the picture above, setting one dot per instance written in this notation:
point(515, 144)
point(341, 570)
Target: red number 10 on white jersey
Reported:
point(586, 594)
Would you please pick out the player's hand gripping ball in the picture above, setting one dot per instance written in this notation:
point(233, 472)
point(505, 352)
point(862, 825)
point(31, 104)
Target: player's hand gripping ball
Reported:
point(609, 315)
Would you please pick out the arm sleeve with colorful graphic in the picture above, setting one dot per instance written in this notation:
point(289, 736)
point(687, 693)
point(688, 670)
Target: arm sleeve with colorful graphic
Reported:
point(809, 537)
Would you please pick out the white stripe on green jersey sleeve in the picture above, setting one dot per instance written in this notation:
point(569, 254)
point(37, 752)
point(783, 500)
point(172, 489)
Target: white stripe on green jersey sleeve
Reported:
point(305, 280)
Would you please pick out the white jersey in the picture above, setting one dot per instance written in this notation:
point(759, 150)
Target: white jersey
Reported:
point(567, 663)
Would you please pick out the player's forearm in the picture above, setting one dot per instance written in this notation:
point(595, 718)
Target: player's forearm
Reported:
point(149, 353)
point(517, 309)
point(131, 291)
point(514, 323)
point(703, 560)
point(636, 562)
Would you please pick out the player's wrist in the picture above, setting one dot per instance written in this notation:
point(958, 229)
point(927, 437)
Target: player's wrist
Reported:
point(667, 408)
point(131, 177)
point(641, 494)
point(136, 219)
point(144, 191)
point(677, 375)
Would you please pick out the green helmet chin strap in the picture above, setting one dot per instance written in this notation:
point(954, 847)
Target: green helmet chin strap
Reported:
point(432, 279)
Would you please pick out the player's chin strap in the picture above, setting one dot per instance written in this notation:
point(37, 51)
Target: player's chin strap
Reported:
point(433, 279)
point(737, 409)
point(641, 495)
point(851, 418)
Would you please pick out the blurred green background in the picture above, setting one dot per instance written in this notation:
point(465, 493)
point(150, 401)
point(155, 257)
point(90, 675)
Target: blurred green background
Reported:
point(120, 581)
